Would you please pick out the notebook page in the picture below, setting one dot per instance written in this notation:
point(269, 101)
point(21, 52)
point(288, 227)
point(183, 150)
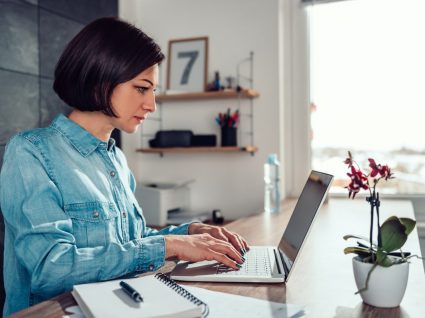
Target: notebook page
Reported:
point(107, 299)
point(229, 305)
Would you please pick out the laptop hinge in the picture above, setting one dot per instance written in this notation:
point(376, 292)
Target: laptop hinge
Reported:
point(277, 262)
point(285, 267)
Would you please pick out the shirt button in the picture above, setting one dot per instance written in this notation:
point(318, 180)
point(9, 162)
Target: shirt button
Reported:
point(151, 267)
point(95, 214)
point(124, 215)
point(112, 173)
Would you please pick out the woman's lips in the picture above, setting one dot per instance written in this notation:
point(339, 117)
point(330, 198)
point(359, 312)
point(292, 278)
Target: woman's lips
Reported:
point(140, 118)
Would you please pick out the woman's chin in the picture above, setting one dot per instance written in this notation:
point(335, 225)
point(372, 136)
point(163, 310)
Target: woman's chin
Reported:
point(131, 129)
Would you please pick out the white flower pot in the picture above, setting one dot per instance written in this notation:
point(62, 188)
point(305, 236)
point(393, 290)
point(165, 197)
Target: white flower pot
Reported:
point(386, 285)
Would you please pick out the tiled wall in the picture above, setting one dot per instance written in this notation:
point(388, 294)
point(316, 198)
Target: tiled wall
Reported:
point(33, 33)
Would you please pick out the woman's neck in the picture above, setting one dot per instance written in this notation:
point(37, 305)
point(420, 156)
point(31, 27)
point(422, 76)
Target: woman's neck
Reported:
point(95, 123)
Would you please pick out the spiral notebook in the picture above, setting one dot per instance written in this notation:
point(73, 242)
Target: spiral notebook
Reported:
point(162, 297)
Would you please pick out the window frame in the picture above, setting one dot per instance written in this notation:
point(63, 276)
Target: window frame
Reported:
point(296, 147)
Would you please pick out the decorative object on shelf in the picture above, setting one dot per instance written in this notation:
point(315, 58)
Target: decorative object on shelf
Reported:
point(228, 123)
point(215, 85)
point(228, 137)
point(187, 65)
point(181, 138)
point(217, 81)
point(204, 140)
point(227, 119)
point(230, 80)
point(172, 138)
point(380, 267)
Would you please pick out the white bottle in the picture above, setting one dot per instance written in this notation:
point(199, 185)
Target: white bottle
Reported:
point(271, 185)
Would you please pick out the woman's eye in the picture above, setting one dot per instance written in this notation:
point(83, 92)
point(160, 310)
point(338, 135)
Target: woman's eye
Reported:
point(142, 89)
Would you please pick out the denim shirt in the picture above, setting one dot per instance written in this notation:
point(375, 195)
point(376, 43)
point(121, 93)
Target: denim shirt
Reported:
point(70, 215)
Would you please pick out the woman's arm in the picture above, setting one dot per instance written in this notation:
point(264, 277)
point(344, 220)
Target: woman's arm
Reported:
point(182, 229)
point(44, 243)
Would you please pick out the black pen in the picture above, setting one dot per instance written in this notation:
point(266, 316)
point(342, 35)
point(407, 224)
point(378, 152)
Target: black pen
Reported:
point(131, 292)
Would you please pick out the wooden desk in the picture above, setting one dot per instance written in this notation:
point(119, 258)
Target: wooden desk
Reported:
point(322, 278)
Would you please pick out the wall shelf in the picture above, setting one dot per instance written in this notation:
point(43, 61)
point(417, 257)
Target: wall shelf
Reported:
point(241, 96)
point(245, 93)
point(161, 151)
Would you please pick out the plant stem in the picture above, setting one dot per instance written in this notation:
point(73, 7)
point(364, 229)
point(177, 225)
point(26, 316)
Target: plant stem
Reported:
point(368, 185)
point(377, 204)
point(370, 199)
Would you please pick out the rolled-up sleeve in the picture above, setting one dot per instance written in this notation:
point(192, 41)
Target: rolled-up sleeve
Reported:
point(43, 235)
point(182, 229)
point(151, 254)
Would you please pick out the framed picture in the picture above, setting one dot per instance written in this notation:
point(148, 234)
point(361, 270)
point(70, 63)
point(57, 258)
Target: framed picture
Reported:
point(187, 65)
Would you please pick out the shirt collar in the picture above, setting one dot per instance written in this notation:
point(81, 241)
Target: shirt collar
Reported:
point(80, 138)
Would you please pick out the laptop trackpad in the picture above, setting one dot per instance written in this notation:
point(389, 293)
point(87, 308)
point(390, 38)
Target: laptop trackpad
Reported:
point(195, 269)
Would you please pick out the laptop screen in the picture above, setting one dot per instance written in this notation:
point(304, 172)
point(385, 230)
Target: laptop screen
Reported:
point(308, 204)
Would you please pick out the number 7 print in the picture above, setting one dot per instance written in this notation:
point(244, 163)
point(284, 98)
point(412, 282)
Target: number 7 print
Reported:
point(192, 55)
point(187, 65)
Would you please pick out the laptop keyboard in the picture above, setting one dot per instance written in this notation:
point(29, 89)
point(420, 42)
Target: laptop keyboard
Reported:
point(257, 263)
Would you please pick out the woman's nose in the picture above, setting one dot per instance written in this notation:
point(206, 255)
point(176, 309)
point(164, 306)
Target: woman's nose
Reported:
point(150, 104)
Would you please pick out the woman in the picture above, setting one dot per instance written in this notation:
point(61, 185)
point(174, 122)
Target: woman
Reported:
point(66, 190)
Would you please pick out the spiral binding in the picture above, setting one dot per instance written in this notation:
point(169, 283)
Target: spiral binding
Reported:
point(183, 292)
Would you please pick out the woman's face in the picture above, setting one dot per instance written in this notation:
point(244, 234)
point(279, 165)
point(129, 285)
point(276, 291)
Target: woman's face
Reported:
point(132, 101)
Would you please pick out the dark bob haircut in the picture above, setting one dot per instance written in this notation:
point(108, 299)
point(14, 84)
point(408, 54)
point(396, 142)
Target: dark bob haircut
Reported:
point(105, 53)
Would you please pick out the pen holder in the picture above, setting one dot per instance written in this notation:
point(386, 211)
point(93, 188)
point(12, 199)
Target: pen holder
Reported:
point(228, 136)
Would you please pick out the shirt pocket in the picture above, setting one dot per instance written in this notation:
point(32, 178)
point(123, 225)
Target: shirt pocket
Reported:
point(93, 223)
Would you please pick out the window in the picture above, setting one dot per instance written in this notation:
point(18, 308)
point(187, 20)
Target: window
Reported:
point(367, 78)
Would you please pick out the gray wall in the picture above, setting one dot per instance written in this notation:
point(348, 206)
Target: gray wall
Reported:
point(33, 34)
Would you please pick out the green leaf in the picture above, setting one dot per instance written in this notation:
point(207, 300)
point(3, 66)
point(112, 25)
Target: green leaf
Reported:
point(357, 250)
point(393, 234)
point(382, 259)
point(363, 238)
point(409, 224)
point(349, 236)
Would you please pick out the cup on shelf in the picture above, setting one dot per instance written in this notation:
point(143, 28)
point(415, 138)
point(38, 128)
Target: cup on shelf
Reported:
point(228, 136)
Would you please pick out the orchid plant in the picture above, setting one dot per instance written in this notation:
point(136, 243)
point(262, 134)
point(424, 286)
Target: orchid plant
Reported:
point(392, 234)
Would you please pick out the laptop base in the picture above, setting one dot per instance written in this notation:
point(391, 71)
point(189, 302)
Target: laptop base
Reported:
point(212, 271)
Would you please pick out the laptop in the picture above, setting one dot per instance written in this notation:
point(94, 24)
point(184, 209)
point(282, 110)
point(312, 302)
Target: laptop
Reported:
point(267, 264)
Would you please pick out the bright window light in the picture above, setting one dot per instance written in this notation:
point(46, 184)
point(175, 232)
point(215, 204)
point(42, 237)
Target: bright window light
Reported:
point(367, 87)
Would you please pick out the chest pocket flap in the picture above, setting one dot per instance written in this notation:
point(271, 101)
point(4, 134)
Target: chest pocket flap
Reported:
point(91, 211)
point(93, 223)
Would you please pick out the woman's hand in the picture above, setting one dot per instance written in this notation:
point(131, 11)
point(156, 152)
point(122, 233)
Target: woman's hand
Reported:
point(220, 233)
point(200, 247)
